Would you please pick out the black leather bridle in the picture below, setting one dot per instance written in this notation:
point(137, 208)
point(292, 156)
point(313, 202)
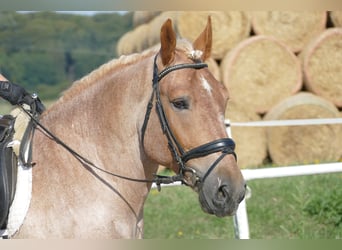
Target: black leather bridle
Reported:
point(224, 145)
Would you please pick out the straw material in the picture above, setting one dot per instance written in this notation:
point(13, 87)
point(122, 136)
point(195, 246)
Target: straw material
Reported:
point(322, 65)
point(251, 147)
point(229, 28)
point(145, 35)
point(214, 68)
point(124, 46)
point(294, 28)
point(153, 35)
point(260, 72)
point(133, 41)
point(336, 18)
point(141, 17)
point(304, 144)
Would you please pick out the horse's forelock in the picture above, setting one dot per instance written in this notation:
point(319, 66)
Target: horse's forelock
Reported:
point(188, 49)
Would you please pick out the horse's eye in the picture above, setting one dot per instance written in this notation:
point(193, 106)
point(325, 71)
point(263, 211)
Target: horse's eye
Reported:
point(180, 104)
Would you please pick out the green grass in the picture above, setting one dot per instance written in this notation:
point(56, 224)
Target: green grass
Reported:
point(278, 209)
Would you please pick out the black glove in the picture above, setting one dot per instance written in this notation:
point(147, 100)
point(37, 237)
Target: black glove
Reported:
point(17, 95)
point(12, 92)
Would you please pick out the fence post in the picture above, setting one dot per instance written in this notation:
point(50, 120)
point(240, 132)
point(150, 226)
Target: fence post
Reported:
point(240, 220)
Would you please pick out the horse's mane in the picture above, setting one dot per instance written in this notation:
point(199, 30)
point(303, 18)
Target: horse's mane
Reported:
point(99, 73)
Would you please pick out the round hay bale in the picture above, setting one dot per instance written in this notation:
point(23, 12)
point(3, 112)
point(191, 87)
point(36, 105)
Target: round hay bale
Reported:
point(140, 38)
point(336, 17)
point(229, 28)
point(259, 72)
point(304, 144)
point(214, 68)
point(294, 28)
point(143, 16)
point(153, 36)
point(322, 65)
point(124, 45)
point(133, 41)
point(251, 147)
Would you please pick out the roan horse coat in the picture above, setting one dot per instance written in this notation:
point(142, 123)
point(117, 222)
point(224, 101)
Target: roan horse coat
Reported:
point(101, 117)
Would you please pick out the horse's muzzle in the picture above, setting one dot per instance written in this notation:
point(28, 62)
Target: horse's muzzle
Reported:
point(220, 200)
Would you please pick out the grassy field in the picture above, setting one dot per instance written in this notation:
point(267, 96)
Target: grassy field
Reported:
point(306, 207)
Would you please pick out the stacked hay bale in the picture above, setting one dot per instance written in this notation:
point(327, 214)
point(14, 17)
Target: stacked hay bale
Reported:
point(251, 144)
point(322, 65)
point(259, 72)
point(260, 76)
point(144, 16)
point(294, 28)
point(304, 144)
point(336, 18)
point(229, 28)
point(267, 59)
point(131, 43)
point(144, 35)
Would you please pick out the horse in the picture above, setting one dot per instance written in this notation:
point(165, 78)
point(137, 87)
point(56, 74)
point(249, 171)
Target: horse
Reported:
point(115, 126)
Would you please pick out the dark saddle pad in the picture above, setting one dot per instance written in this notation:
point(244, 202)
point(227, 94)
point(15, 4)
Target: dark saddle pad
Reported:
point(8, 167)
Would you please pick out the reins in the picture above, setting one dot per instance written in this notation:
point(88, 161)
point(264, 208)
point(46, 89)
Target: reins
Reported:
point(159, 179)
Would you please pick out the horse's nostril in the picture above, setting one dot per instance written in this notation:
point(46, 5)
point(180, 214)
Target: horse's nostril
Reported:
point(222, 193)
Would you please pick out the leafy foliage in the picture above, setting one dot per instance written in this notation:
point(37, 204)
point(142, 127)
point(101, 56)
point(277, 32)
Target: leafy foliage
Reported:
point(327, 208)
point(48, 49)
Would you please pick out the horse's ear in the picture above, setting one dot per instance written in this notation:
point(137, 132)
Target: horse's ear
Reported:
point(204, 41)
point(168, 42)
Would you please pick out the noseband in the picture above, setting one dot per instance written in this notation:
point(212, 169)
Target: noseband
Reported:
point(224, 145)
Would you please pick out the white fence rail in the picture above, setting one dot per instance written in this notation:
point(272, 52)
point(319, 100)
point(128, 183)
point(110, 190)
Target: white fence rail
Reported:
point(241, 225)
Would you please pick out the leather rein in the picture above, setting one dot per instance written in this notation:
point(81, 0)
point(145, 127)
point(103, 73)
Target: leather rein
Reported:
point(225, 145)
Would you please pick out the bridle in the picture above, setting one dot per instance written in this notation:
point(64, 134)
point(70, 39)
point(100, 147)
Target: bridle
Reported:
point(224, 145)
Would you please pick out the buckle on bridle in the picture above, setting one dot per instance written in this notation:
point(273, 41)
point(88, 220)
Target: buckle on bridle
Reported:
point(194, 178)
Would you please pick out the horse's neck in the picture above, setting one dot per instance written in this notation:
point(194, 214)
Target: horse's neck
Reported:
point(105, 104)
point(105, 118)
point(101, 123)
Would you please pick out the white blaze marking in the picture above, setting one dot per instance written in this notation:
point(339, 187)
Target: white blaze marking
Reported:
point(206, 85)
point(219, 181)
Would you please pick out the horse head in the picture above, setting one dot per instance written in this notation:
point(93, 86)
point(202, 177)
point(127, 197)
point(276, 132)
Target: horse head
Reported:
point(186, 131)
